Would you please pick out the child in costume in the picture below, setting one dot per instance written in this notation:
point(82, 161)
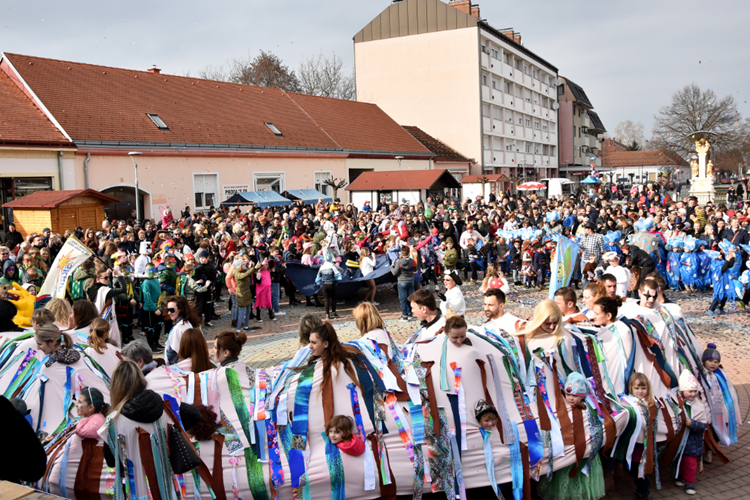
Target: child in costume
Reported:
point(641, 398)
point(722, 399)
point(125, 296)
point(721, 277)
point(674, 250)
point(151, 317)
point(263, 299)
point(696, 423)
point(689, 266)
point(92, 409)
point(187, 286)
point(581, 486)
point(340, 431)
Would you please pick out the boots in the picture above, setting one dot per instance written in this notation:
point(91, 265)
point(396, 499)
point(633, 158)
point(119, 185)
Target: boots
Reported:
point(271, 315)
point(257, 316)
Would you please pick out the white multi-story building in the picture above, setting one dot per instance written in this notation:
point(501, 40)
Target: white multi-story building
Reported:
point(440, 67)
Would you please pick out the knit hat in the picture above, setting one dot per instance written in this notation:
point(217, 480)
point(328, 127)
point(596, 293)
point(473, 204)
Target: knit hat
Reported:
point(687, 381)
point(576, 385)
point(203, 253)
point(483, 407)
point(711, 353)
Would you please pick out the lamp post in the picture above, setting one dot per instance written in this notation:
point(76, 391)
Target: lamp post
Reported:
point(132, 155)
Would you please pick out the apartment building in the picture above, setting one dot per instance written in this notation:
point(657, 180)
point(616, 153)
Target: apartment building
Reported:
point(580, 128)
point(439, 66)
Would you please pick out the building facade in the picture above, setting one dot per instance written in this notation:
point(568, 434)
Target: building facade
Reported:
point(440, 67)
point(198, 141)
point(580, 128)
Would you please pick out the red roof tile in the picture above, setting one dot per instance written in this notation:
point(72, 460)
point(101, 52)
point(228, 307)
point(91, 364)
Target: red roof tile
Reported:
point(405, 180)
point(98, 103)
point(637, 158)
point(358, 125)
point(53, 199)
point(442, 151)
point(21, 121)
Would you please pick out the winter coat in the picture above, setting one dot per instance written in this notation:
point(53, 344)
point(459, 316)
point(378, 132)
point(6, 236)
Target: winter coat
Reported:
point(242, 278)
point(403, 270)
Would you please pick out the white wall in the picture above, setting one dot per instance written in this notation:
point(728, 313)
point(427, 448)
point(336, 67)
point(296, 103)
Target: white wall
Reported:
point(359, 197)
point(430, 80)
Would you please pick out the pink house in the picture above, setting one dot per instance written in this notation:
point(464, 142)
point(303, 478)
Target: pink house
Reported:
point(201, 141)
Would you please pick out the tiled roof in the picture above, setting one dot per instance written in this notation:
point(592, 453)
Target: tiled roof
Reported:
point(442, 151)
point(596, 122)
point(98, 103)
point(21, 121)
point(578, 92)
point(636, 158)
point(474, 179)
point(358, 126)
point(53, 199)
point(404, 180)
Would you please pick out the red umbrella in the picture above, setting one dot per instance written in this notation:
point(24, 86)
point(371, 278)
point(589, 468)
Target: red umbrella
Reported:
point(530, 186)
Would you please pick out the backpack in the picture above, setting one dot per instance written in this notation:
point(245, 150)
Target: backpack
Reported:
point(76, 290)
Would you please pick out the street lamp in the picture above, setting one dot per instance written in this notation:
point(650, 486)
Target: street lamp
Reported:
point(132, 155)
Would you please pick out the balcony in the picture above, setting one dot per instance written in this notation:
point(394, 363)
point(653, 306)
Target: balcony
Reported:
point(585, 120)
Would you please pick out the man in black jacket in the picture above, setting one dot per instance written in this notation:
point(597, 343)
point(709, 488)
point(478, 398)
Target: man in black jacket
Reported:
point(637, 257)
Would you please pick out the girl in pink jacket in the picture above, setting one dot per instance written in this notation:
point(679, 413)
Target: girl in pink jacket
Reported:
point(91, 408)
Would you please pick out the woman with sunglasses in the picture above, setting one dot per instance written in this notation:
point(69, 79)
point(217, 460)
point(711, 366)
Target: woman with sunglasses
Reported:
point(183, 317)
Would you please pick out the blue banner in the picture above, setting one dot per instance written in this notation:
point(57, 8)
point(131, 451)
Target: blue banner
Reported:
point(563, 262)
point(304, 276)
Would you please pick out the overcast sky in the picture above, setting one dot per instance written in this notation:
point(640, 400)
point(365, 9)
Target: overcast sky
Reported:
point(629, 56)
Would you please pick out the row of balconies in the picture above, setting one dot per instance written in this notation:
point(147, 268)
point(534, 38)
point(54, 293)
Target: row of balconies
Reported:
point(497, 97)
point(508, 158)
point(497, 127)
point(499, 68)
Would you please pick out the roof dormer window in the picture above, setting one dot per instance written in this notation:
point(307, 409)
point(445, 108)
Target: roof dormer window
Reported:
point(274, 129)
point(157, 121)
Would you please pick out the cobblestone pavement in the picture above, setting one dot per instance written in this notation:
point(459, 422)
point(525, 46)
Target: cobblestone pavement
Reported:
point(277, 341)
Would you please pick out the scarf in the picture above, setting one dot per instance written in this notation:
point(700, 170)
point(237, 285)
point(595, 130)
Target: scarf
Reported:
point(64, 355)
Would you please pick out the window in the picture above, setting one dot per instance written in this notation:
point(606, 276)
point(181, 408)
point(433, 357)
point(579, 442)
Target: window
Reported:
point(518, 64)
point(157, 121)
point(497, 144)
point(497, 113)
point(552, 150)
point(520, 120)
point(495, 54)
point(574, 130)
point(509, 147)
point(508, 59)
point(484, 80)
point(272, 181)
point(560, 89)
point(205, 188)
point(544, 128)
point(486, 142)
point(526, 70)
point(545, 150)
point(486, 110)
point(321, 177)
point(536, 125)
point(528, 122)
point(495, 85)
point(528, 147)
point(274, 129)
point(534, 73)
point(518, 91)
point(507, 87)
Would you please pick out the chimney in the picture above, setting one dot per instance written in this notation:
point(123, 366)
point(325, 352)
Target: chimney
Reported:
point(466, 6)
point(154, 70)
point(513, 35)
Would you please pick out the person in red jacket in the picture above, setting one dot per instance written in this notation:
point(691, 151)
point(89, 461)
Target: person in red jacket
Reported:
point(340, 432)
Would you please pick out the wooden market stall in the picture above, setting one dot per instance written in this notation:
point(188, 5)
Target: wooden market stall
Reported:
point(59, 210)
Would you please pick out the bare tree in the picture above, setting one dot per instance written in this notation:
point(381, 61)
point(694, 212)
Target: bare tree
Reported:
point(335, 184)
point(696, 110)
point(264, 70)
point(215, 73)
point(323, 76)
point(629, 133)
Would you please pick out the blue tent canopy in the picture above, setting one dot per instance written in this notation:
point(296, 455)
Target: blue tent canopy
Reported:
point(258, 198)
point(591, 180)
point(307, 195)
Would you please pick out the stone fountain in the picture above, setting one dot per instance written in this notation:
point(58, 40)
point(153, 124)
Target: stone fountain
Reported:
point(702, 173)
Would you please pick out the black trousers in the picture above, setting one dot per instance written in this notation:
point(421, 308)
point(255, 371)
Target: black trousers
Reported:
point(151, 323)
point(329, 294)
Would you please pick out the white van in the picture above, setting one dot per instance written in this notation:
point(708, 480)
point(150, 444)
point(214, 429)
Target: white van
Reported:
point(558, 186)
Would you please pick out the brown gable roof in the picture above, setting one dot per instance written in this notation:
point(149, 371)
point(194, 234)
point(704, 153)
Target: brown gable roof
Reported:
point(53, 199)
point(21, 122)
point(344, 120)
point(637, 158)
point(98, 104)
point(474, 179)
point(442, 151)
point(404, 180)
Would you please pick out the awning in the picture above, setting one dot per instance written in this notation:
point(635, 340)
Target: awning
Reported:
point(257, 198)
point(307, 195)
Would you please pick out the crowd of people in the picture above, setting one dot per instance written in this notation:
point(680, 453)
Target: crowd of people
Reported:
point(598, 363)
